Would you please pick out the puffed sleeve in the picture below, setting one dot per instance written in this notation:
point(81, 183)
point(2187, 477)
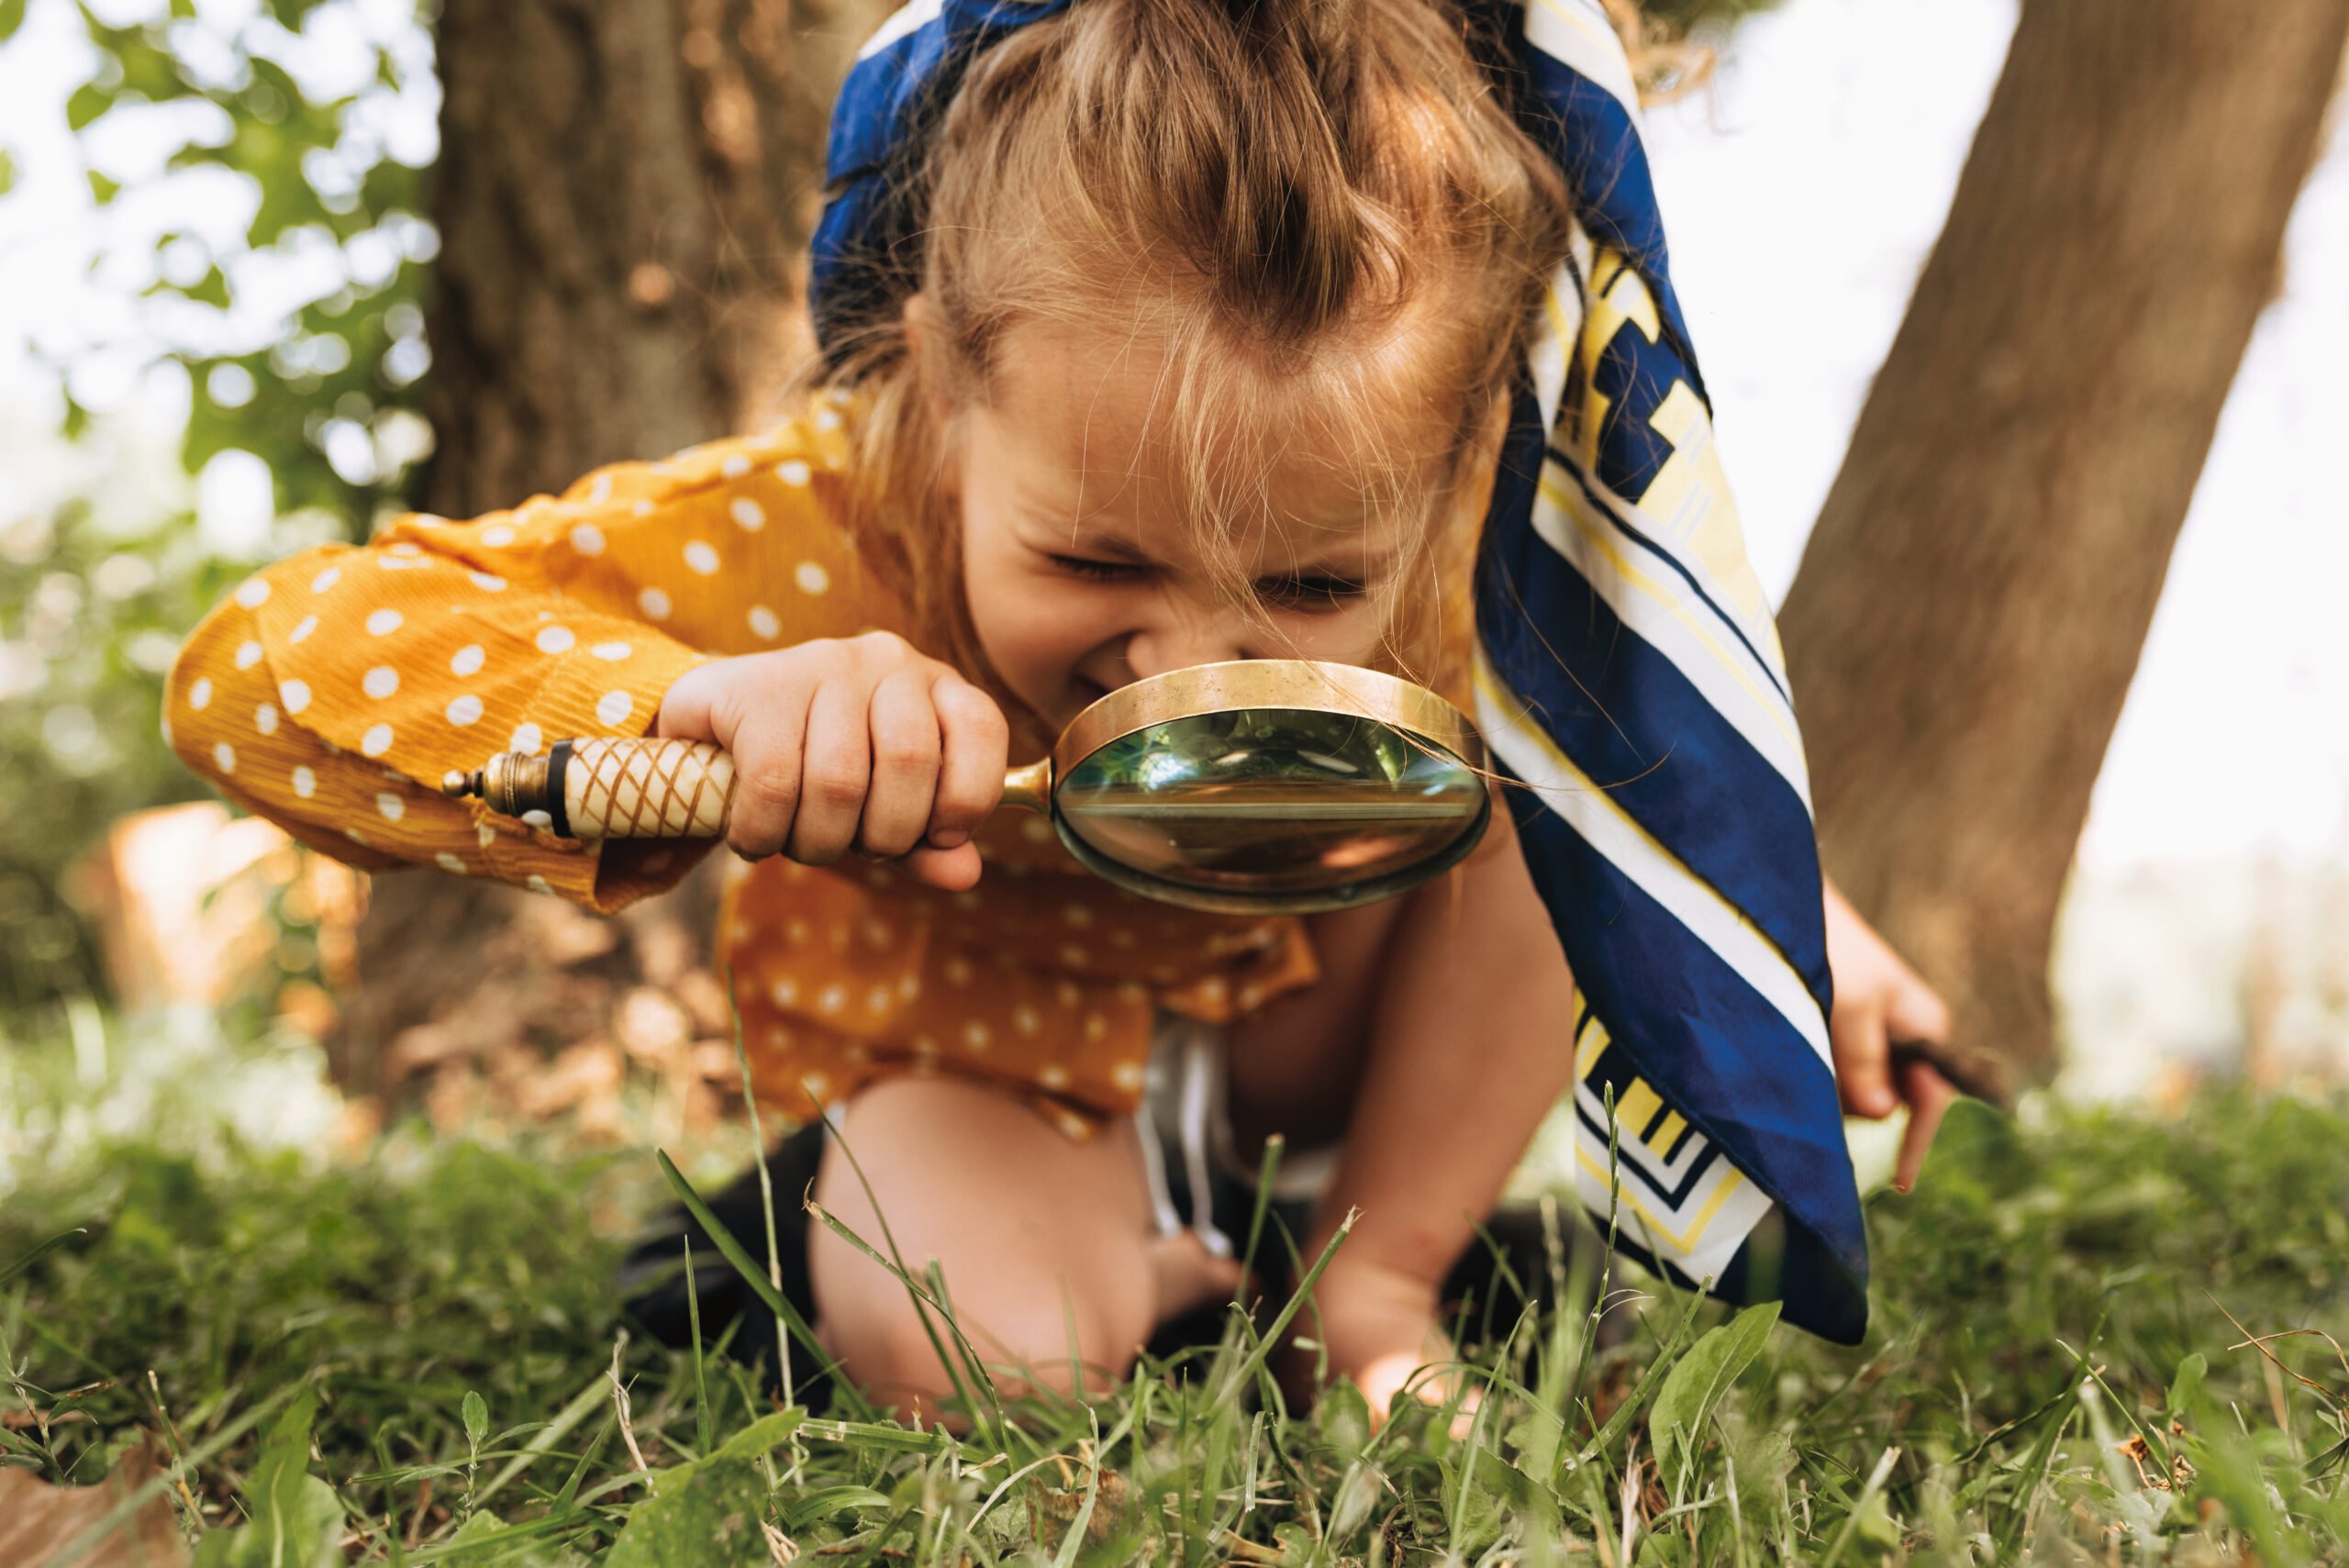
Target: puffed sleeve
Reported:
point(332, 691)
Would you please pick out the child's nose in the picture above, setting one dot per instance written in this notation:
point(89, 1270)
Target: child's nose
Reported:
point(1198, 639)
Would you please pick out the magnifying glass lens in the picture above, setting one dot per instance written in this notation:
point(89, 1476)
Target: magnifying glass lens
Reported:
point(1270, 801)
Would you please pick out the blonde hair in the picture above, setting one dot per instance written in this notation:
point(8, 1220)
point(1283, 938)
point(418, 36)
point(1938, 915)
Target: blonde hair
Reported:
point(1323, 209)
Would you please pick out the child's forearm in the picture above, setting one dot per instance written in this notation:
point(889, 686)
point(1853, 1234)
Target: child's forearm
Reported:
point(1469, 1051)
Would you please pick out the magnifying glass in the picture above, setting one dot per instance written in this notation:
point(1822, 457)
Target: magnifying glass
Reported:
point(1258, 786)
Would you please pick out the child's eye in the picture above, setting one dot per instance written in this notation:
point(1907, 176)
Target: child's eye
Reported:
point(1099, 571)
point(1314, 595)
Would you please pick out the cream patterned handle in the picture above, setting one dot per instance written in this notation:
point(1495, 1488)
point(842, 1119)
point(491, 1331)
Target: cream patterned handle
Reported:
point(646, 789)
point(610, 788)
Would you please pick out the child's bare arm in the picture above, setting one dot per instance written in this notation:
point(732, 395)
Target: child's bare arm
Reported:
point(1468, 1051)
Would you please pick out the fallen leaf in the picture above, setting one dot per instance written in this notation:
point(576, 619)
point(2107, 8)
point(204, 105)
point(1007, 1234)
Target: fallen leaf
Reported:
point(39, 1521)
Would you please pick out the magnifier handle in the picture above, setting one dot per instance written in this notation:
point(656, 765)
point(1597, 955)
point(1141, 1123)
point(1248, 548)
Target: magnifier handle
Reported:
point(610, 788)
point(648, 788)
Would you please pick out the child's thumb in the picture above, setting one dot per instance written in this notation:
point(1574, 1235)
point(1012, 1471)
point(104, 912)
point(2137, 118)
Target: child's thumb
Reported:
point(953, 870)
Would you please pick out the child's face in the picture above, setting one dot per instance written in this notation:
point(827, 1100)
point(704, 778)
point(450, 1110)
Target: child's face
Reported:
point(1079, 566)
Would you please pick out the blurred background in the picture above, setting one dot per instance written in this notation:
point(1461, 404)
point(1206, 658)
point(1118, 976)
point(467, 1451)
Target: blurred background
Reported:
point(2035, 447)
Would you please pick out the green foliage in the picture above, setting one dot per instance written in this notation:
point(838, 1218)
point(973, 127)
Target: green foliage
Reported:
point(1680, 1422)
point(324, 386)
point(294, 1520)
point(89, 621)
point(2052, 1337)
point(299, 334)
point(706, 1513)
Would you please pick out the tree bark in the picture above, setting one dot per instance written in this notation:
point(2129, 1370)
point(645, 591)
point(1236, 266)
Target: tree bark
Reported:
point(625, 194)
point(1973, 601)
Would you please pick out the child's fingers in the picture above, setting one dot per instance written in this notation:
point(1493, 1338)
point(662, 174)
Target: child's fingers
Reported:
point(1862, 1056)
point(1929, 1095)
point(836, 772)
point(685, 706)
point(976, 742)
point(906, 748)
point(950, 871)
point(768, 753)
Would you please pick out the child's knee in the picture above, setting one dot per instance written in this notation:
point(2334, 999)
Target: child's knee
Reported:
point(1022, 1344)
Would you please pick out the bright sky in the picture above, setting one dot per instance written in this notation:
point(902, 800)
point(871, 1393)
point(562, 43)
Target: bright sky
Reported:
point(1801, 195)
point(1818, 174)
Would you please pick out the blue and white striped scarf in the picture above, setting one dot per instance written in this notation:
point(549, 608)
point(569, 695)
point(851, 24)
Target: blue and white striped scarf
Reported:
point(1628, 672)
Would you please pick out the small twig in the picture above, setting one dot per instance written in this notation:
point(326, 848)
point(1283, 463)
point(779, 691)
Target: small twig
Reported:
point(423, 1508)
point(620, 1403)
point(2260, 1342)
point(1631, 1498)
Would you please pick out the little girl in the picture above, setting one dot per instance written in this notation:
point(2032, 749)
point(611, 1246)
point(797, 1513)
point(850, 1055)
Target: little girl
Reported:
point(1189, 333)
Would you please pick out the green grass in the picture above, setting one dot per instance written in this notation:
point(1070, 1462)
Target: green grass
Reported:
point(413, 1357)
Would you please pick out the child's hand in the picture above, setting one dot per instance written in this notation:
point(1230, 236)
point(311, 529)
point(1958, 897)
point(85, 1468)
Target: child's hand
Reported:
point(1380, 1328)
point(859, 744)
point(1881, 1003)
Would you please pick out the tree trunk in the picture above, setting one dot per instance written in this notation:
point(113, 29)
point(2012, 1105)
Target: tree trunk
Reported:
point(625, 194)
point(1972, 602)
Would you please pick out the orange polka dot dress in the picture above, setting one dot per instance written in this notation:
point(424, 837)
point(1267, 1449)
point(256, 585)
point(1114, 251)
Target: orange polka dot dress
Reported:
point(332, 691)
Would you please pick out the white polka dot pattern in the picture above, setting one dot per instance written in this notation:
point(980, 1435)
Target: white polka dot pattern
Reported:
point(375, 684)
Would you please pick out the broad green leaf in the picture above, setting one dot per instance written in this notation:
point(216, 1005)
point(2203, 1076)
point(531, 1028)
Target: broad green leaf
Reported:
point(708, 1520)
point(88, 102)
point(1343, 1415)
point(828, 1501)
point(12, 17)
point(761, 1435)
point(475, 1410)
point(478, 1544)
point(2185, 1385)
point(8, 171)
point(1535, 1437)
point(1493, 1494)
point(1685, 1406)
point(294, 1520)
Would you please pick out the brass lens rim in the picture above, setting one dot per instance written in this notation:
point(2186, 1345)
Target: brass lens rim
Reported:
point(1304, 684)
point(1299, 684)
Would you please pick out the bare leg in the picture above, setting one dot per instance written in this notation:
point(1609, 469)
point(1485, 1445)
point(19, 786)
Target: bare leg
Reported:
point(1037, 1235)
point(1296, 1060)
